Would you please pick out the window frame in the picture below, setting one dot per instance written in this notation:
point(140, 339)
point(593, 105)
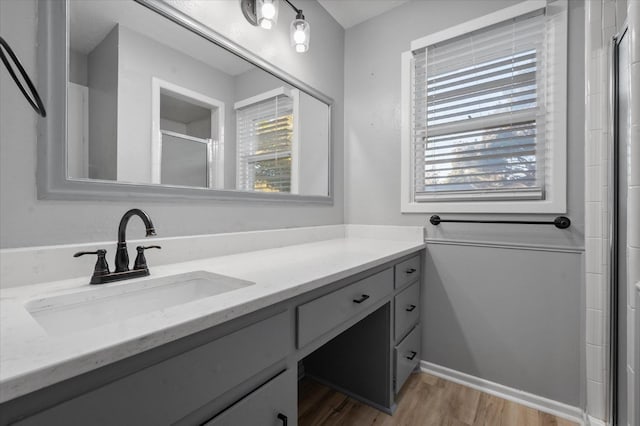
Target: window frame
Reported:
point(555, 200)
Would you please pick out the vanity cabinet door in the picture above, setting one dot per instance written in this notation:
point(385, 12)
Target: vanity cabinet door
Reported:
point(407, 356)
point(407, 271)
point(324, 313)
point(273, 404)
point(166, 392)
point(407, 310)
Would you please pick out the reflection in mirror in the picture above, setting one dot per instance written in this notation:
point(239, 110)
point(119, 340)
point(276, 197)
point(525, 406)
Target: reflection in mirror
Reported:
point(150, 102)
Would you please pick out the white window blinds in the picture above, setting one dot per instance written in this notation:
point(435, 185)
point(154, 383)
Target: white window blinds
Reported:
point(478, 125)
point(264, 138)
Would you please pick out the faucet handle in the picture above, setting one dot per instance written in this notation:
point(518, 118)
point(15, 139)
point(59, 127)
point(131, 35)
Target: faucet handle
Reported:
point(141, 260)
point(101, 268)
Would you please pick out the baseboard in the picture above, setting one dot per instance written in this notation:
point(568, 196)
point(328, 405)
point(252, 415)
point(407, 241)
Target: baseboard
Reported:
point(540, 403)
point(592, 421)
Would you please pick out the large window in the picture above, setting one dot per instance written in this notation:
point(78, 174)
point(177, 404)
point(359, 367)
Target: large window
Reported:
point(485, 128)
point(266, 139)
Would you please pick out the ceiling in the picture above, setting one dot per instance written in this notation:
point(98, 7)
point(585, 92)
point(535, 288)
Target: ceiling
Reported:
point(91, 21)
point(352, 12)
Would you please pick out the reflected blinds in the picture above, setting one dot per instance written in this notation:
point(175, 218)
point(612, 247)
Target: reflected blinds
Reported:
point(479, 115)
point(264, 137)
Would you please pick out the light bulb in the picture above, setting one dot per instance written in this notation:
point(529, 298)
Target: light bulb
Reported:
point(299, 35)
point(266, 24)
point(301, 48)
point(268, 11)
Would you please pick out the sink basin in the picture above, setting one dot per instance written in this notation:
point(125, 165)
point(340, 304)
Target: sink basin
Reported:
point(96, 306)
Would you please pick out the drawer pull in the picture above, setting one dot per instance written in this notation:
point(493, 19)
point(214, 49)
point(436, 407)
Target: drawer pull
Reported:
point(361, 299)
point(410, 308)
point(284, 419)
point(412, 356)
point(411, 270)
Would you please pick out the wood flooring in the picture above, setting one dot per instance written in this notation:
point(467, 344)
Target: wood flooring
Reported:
point(424, 401)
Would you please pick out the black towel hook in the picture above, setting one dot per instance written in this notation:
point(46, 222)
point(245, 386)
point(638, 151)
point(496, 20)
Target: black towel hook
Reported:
point(34, 100)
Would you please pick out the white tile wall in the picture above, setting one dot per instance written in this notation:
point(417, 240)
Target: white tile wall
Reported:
point(594, 226)
point(596, 397)
point(595, 327)
point(601, 19)
point(593, 180)
point(595, 363)
point(593, 253)
point(595, 293)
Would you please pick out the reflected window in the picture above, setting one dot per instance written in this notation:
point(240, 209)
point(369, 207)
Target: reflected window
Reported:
point(266, 141)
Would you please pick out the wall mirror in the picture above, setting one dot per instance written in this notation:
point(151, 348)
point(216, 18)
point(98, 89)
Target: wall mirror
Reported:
point(156, 104)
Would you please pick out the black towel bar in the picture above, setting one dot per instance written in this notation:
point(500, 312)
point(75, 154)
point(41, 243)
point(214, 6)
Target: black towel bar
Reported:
point(560, 222)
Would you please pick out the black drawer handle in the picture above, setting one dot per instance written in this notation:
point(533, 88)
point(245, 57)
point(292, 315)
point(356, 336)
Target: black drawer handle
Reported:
point(410, 308)
point(412, 356)
point(361, 299)
point(410, 270)
point(284, 419)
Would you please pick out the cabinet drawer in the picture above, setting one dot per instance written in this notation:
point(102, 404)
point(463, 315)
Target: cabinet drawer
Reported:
point(323, 314)
point(407, 271)
point(407, 310)
point(165, 392)
point(407, 355)
point(272, 404)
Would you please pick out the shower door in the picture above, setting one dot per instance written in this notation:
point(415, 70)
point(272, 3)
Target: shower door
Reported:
point(619, 285)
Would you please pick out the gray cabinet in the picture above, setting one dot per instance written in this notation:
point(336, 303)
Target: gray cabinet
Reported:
point(170, 390)
point(406, 320)
point(407, 310)
point(373, 359)
point(325, 313)
point(272, 404)
point(407, 271)
point(407, 357)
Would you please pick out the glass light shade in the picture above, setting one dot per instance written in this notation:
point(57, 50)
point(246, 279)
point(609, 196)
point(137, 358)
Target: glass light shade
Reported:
point(267, 13)
point(300, 33)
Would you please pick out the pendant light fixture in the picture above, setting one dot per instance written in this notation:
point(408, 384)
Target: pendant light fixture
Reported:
point(300, 32)
point(264, 13)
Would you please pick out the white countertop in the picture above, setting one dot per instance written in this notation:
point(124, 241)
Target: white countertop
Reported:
point(30, 359)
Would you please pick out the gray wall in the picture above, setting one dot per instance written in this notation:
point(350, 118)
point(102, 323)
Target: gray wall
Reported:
point(506, 315)
point(255, 81)
point(26, 221)
point(512, 316)
point(78, 68)
point(103, 108)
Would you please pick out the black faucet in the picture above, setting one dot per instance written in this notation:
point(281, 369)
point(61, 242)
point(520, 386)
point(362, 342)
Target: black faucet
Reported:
point(122, 255)
point(101, 273)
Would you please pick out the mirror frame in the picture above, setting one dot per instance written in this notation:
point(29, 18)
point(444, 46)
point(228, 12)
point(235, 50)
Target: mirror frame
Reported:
point(51, 174)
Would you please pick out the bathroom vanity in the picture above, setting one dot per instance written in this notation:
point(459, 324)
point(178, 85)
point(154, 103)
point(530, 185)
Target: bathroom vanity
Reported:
point(225, 325)
point(343, 311)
